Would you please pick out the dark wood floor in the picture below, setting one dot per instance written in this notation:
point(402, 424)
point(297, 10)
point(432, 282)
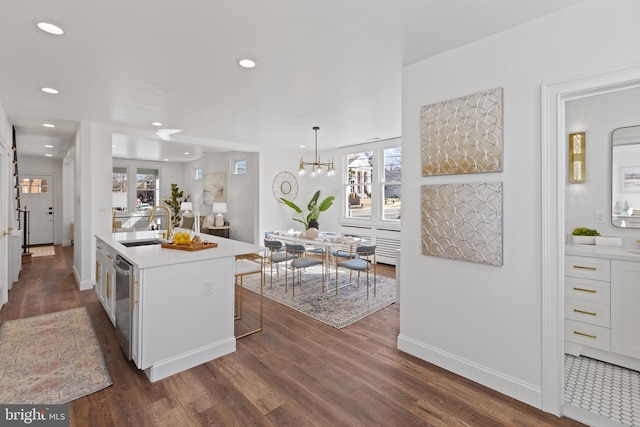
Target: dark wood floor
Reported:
point(297, 372)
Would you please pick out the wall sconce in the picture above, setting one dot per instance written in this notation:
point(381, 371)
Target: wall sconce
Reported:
point(577, 155)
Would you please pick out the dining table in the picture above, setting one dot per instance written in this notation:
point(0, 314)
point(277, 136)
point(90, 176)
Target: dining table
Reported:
point(329, 243)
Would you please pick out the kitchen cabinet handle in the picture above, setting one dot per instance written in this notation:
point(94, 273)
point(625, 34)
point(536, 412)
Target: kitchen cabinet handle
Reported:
point(109, 256)
point(585, 312)
point(108, 285)
point(592, 291)
point(97, 272)
point(133, 290)
point(99, 247)
point(585, 335)
point(582, 267)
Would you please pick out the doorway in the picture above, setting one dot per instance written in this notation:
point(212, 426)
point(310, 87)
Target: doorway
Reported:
point(36, 195)
point(553, 173)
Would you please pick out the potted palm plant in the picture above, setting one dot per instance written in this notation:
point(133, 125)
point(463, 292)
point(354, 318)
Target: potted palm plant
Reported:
point(314, 208)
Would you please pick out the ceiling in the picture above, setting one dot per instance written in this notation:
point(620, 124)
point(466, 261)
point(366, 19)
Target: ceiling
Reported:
point(124, 64)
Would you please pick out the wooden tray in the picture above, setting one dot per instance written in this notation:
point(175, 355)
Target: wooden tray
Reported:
point(190, 247)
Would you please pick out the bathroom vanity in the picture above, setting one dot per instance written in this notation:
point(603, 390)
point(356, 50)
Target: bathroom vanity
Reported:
point(178, 305)
point(602, 304)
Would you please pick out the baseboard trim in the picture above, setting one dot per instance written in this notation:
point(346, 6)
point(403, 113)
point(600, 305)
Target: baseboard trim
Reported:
point(190, 359)
point(83, 285)
point(517, 389)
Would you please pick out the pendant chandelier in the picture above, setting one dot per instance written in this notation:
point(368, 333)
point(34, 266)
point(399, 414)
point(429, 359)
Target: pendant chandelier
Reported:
point(317, 167)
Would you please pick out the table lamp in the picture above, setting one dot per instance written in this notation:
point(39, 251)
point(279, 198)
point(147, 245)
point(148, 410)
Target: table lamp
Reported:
point(186, 207)
point(220, 208)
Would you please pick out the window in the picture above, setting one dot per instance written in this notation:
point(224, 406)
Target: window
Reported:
point(147, 189)
point(358, 186)
point(119, 189)
point(391, 184)
point(34, 185)
point(372, 189)
point(197, 174)
point(239, 167)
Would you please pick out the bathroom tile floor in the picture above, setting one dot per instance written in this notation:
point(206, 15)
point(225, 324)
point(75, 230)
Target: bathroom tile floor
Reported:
point(603, 389)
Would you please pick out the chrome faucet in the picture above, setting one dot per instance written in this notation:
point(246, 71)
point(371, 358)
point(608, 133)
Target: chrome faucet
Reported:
point(152, 214)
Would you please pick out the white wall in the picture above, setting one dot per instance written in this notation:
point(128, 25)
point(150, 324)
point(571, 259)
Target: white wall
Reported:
point(484, 322)
point(598, 116)
point(274, 215)
point(67, 196)
point(92, 197)
point(241, 191)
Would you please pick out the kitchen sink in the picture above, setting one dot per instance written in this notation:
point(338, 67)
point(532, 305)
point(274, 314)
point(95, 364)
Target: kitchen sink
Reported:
point(142, 242)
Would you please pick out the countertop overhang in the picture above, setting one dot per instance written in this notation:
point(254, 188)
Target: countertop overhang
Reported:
point(597, 251)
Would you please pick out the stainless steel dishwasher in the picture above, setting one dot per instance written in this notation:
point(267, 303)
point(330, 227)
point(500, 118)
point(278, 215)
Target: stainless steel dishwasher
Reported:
point(124, 277)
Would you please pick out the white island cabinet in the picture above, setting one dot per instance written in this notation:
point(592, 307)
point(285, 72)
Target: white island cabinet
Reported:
point(602, 296)
point(181, 302)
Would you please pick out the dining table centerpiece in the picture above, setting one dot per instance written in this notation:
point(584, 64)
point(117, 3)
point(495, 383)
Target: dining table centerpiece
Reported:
point(310, 221)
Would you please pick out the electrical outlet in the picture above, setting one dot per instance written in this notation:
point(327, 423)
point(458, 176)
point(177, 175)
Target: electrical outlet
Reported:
point(599, 217)
point(208, 287)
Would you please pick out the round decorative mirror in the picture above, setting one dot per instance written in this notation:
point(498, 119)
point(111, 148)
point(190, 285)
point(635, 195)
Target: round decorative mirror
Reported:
point(285, 185)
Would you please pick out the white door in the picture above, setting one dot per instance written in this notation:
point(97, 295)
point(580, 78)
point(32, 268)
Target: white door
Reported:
point(36, 195)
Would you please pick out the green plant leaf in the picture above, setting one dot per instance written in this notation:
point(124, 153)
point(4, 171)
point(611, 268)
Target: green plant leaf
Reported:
point(291, 205)
point(326, 203)
point(312, 203)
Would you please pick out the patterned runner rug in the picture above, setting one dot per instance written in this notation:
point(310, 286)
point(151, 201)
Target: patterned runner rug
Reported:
point(50, 359)
point(349, 306)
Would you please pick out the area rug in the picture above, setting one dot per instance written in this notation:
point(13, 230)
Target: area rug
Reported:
point(349, 306)
point(50, 359)
point(42, 251)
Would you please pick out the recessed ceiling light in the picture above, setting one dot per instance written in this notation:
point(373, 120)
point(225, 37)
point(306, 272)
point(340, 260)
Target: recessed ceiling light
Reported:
point(156, 124)
point(303, 146)
point(48, 155)
point(48, 146)
point(50, 28)
point(247, 63)
point(187, 153)
point(50, 90)
point(48, 125)
point(166, 160)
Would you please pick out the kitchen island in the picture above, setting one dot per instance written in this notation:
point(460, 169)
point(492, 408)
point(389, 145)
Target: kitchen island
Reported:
point(180, 302)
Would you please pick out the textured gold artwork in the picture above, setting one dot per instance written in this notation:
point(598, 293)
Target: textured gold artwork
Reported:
point(463, 221)
point(463, 135)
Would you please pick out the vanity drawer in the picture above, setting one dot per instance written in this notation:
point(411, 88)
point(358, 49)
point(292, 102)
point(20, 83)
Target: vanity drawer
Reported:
point(587, 312)
point(585, 334)
point(587, 290)
point(588, 268)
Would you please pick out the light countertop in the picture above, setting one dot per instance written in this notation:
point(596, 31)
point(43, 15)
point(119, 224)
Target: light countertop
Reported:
point(597, 251)
point(155, 255)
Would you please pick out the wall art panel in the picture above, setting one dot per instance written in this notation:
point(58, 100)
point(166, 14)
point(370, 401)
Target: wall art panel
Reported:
point(214, 188)
point(463, 135)
point(463, 221)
